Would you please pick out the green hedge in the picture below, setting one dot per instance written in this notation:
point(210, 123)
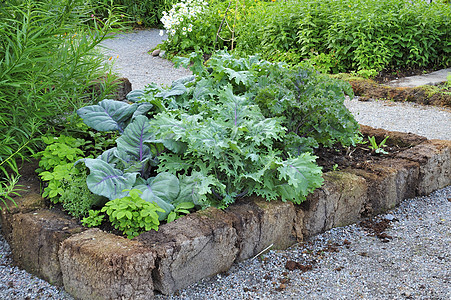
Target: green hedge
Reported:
point(48, 64)
point(344, 35)
point(146, 13)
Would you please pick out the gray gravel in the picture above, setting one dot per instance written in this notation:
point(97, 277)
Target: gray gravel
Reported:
point(18, 284)
point(129, 52)
point(414, 264)
point(429, 121)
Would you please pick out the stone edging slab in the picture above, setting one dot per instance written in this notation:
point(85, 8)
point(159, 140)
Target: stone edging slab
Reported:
point(92, 264)
point(367, 89)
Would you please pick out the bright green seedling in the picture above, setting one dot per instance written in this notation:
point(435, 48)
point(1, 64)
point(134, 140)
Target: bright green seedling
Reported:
point(132, 215)
point(182, 208)
point(377, 148)
point(57, 163)
point(93, 219)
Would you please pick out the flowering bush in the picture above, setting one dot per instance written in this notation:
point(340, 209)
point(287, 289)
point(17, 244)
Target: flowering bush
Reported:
point(181, 16)
point(192, 25)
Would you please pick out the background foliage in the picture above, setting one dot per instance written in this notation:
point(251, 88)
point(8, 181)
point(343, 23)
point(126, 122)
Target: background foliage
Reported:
point(344, 35)
point(48, 62)
point(145, 13)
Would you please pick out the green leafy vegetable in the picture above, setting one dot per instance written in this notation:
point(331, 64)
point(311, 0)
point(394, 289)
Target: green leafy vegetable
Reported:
point(131, 214)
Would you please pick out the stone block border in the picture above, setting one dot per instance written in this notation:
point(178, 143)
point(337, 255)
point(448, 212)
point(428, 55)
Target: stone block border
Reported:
point(92, 264)
point(367, 89)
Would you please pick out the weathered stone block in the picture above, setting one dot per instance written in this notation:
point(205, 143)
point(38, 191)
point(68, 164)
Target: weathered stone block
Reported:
point(277, 224)
point(196, 246)
point(389, 182)
point(339, 202)
point(27, 202)
point(382, 190)
point(260, 224)
point(98, 265)
point(122, 88)
point(406, 178)
point(35, 241)
point(434, 158)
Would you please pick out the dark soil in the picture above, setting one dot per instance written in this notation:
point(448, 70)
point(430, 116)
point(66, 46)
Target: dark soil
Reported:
point(377, 228)
point(293, 265)
point(359, 157)
point(29, 181)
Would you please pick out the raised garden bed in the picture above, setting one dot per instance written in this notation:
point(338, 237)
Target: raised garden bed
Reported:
point(93, 264)
point(425, 95)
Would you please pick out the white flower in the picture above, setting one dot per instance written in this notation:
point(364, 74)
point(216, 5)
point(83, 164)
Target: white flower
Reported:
point(173, 31)
point(190, 29)
point(184, 28)
point(161, 32)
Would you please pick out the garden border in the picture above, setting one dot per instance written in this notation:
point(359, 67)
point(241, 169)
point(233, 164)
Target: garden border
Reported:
point(368, 89)
point(92, 264)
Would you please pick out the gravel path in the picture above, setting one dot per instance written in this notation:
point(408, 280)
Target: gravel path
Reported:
point(429, 121)
point(351, 263)
point(131, 59)
point(413, 262)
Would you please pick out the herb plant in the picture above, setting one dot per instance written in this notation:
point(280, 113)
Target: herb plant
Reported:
point(57, 164)
point(180, 210)
point(132, 215)
point(9, 187)
point(93, 219)
point(76, 198)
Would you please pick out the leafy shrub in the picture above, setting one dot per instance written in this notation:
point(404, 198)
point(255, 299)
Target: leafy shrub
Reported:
point(220, 134)
point(132, 215)
point(194, 25)
point(93, 219)
point(76, 198)
point(178, 23)
point(191, 25)
point(48, 61)
point(349, 35)
point(145, 13)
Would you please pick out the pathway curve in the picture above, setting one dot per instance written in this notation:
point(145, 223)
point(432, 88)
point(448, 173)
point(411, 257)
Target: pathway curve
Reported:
point(129, 52)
